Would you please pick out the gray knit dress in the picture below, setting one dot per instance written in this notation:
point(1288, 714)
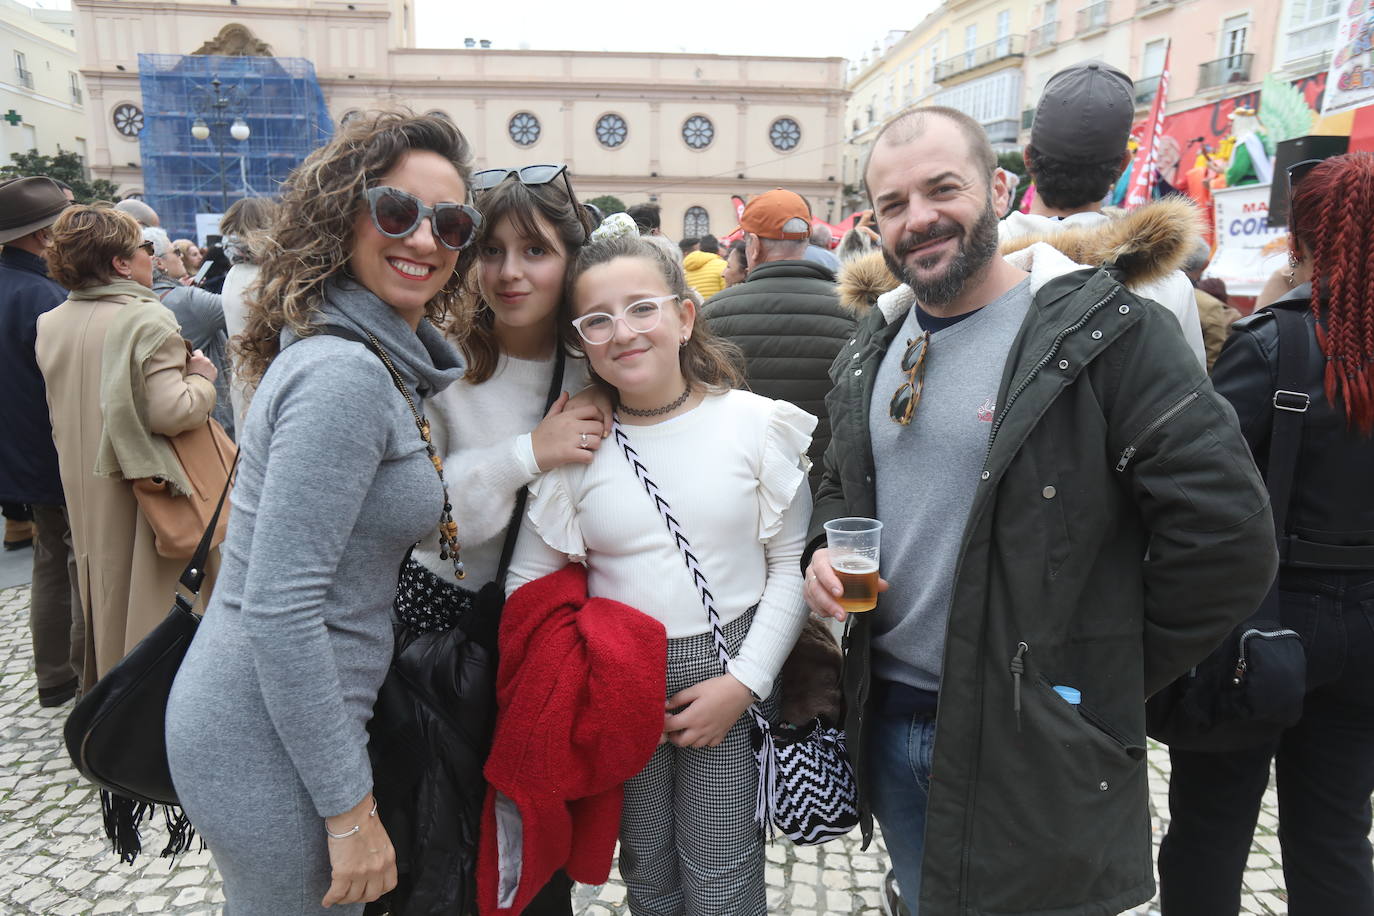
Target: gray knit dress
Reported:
point(266, 724)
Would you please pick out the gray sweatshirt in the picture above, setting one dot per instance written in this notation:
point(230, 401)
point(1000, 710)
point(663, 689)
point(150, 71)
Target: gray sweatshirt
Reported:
point(333, 486)
point(927, 473)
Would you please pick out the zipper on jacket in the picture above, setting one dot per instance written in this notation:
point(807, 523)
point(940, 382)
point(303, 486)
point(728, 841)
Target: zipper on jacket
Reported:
point(1018, 668)
point(1129, 451)
point(1242, 663)
point(1044, 361)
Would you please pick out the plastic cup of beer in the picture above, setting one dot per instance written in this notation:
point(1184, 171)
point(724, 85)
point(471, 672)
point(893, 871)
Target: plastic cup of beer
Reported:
point(853, 546)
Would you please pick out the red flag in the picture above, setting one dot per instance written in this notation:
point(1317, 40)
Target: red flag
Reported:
point(1147, 160)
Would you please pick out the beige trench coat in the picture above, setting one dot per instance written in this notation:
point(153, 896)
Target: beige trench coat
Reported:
point(126, 588)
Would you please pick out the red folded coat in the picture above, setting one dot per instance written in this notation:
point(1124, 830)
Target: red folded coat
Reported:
point(579, 696)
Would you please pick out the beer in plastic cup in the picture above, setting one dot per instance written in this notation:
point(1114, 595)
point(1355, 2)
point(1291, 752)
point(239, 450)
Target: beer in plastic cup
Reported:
point(853, 546)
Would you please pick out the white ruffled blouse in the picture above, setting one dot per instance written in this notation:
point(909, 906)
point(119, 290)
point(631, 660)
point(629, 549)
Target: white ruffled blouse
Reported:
point(734, 471)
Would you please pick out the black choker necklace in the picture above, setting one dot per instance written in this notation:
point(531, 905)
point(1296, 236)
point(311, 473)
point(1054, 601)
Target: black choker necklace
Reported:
point(660, 411)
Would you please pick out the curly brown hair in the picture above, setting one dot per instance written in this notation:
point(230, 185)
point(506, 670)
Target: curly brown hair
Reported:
point(708, 361)
point(532, 209)
point(85, 239)
point(311, 237)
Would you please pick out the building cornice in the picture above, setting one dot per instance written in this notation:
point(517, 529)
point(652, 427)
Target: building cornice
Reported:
point(230, 13)
point(604, 55)
point(13, 28)
point(39, 97)
point(481, 88)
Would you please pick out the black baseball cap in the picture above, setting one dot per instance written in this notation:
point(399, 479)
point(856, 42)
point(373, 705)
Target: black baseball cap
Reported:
point(1085, 113)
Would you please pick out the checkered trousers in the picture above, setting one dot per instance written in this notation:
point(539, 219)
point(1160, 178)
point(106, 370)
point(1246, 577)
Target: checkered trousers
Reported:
point(688, 842)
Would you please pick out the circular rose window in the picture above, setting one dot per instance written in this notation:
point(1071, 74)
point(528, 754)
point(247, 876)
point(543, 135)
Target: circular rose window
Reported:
point(611, 130)
point(523, 129)
point(784, 134)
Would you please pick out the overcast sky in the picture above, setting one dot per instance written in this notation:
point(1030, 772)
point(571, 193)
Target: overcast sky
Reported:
point(806, 28)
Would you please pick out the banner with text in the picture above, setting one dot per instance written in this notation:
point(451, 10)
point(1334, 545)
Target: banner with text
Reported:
point(1350, 81)
point(1248, 248)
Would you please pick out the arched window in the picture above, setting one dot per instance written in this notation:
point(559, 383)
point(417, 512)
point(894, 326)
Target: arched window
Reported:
point(696, 223)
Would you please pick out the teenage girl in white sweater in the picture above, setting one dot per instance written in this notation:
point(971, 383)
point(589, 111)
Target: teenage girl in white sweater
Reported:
point(733, 467)
point(490, 427)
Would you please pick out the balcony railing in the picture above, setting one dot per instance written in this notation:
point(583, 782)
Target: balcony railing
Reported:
point(1003, 48)
point(1145, 91)
point(1233, 69)
point(25, 77)
point(1027, 119)
point(1042, 38)
point(1094, 17)
point(1146, 7)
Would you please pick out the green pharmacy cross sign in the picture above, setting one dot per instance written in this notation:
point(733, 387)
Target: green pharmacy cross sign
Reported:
point(13, 117)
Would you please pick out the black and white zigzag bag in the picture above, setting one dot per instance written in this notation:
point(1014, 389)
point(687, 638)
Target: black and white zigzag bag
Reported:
point(806, 784)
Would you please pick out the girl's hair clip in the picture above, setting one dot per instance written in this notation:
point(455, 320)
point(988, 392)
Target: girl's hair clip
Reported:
point(615, 226)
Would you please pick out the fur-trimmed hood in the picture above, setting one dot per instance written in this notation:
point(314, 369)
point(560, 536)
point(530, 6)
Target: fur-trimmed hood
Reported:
point(1145, 245)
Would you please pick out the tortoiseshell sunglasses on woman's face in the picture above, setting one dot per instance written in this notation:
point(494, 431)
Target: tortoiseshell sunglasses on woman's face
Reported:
point(914, 365)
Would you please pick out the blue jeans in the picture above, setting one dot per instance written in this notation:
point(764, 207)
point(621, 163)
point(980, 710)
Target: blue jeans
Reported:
point(899, 752)
point(1325, 767)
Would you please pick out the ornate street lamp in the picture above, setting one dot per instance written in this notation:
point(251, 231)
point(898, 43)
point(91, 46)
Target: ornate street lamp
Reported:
point(219, 114)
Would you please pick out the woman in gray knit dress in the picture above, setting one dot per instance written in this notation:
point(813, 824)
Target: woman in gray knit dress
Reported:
point(266, 725)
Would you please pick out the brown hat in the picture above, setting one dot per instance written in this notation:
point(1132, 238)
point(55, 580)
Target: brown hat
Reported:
point(777, 214)
point(27, 205)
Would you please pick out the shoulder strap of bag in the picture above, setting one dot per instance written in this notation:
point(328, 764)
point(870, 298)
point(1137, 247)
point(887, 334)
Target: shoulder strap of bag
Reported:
point(765, 754)
point(555, 389)
point(513, 528)
point(679, 537)
point(194, 574)
point(1290, 407)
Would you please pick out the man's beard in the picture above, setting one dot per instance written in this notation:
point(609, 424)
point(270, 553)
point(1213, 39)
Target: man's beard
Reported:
point(976, 249)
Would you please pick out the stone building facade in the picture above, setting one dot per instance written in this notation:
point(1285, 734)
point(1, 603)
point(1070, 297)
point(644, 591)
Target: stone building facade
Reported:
point(686, 131)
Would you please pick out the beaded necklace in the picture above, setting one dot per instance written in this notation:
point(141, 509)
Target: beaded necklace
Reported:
point(448, 528)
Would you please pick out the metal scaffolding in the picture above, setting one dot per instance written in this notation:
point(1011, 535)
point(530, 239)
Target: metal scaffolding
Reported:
point(277, 99)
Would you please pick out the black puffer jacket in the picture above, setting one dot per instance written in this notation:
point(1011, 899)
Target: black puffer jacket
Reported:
point(790, 324)
point(1333, 501)
point(430, 733)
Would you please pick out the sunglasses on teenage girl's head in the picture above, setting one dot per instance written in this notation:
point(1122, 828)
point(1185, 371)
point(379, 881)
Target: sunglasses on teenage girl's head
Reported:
point(487, 179)
point(641, 317)
point(906, 398)
point(397, 214)
point(531, 175)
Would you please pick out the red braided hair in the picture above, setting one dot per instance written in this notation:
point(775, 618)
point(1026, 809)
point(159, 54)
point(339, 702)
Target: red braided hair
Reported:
point(1332, 223)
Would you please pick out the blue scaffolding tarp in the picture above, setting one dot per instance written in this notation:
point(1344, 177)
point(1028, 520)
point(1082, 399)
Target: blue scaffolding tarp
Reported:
point(278, 98)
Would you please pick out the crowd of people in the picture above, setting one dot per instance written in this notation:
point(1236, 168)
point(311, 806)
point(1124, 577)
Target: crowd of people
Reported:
point(465, 405)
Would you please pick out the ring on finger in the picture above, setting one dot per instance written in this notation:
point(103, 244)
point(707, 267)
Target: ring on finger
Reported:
point(582, 441)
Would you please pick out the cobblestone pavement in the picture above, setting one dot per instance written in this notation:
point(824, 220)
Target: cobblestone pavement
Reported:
point(54, 860)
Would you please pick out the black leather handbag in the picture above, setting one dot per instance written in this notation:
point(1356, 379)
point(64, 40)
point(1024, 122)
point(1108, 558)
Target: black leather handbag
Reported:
point(116, 733)
point(1251, 687)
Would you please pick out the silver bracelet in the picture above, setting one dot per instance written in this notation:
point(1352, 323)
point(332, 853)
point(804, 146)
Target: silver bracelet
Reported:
point(356, 828)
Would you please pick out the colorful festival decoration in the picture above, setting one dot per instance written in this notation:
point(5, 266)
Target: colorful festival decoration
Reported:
point(1350, 82)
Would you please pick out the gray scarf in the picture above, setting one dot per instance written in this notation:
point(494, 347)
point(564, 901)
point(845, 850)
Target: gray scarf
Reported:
point(427, 362)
